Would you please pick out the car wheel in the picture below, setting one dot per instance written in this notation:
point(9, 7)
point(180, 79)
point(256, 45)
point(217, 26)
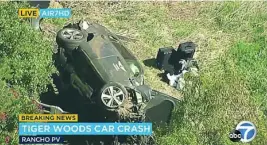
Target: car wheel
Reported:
point(70, 38)
point(112, 96)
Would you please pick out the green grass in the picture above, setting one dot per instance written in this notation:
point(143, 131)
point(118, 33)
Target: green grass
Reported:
point(231, 39)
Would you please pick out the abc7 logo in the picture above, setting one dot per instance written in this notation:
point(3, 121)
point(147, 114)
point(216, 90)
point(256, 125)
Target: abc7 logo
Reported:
point(235, 136)
point(244, 132)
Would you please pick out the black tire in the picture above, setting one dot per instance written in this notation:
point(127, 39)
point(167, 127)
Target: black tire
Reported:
point(116, 86)
point(69, 43)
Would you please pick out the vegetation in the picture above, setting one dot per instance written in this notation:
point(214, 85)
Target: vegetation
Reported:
point(231, 50)
point(25, 69)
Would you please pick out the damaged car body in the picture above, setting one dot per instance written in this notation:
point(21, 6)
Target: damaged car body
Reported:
point(106, 74)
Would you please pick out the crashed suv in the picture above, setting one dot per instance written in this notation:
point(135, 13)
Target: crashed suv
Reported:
point(94, 61)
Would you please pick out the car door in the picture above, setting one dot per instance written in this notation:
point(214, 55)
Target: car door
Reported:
point(82, 73)
point(159, 109)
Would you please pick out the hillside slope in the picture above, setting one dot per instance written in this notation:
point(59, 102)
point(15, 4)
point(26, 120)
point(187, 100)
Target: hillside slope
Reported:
point(231, 39)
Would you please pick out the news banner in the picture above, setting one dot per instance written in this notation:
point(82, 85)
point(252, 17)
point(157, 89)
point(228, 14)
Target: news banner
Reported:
point(51, 128)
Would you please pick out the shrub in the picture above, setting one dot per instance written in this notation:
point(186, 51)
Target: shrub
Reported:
point(25, 54)
point(25, 69)
point(13, 102)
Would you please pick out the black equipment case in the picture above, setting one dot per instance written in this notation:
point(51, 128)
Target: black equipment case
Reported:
point(168, 58)
point(185, 51)
point(163, 58)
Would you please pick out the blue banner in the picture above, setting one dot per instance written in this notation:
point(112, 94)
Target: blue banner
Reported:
point(85, 128)
point(55, 13)
point(40, 139)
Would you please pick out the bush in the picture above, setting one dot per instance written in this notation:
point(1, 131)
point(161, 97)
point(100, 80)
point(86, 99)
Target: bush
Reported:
point(26, 55)
point(13, 103)
point(25, 69)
